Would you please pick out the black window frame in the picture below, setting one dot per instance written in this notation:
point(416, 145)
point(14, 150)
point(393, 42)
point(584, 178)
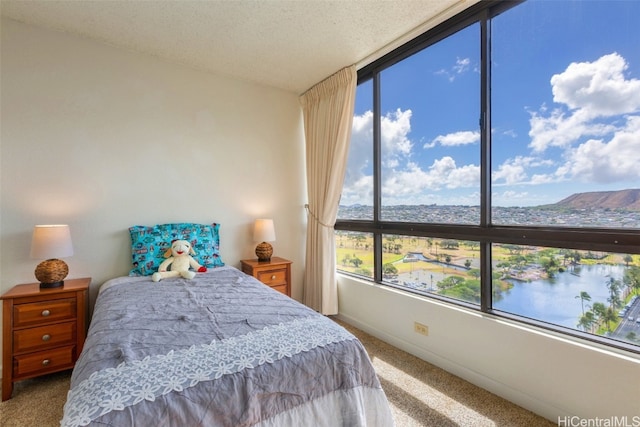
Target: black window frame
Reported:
point(582, 238)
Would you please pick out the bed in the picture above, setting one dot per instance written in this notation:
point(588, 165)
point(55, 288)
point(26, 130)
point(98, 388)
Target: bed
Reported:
point(221, 349)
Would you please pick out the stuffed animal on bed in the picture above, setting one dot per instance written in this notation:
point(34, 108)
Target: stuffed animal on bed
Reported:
point(180, 260)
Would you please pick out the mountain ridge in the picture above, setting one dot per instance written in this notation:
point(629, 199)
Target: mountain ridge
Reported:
point(622, 199)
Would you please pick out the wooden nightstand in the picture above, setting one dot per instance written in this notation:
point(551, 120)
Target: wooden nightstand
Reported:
point(275, 273)
point(43, 330)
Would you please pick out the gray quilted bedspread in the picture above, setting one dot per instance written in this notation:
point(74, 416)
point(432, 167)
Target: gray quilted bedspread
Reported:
point(219, 350)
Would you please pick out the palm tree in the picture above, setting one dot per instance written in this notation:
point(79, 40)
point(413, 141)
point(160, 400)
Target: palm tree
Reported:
point(599, 310)
point(632, 278)
point(614, 293)
point(584, 296)
point(586, 321)
point(610, 316)
point(627, 259)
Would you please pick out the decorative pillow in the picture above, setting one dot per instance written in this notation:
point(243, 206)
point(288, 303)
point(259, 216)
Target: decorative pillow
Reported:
point(204, 239)
point(148, 245)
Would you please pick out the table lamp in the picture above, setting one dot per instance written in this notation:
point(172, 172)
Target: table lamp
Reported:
point(263, 231)
point(50, 242)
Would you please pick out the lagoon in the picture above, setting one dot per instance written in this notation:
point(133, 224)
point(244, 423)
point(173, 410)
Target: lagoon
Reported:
point(554, 300)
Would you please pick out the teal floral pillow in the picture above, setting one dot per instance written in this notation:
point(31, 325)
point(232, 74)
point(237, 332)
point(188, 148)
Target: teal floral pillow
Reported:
point(204, 239)
point(149, 244)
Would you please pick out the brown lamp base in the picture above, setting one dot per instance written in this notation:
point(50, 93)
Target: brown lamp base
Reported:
point(51, 273)
point(51, 285)
point(264, 251)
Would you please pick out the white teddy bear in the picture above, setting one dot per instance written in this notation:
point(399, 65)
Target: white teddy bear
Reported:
point(180, 259)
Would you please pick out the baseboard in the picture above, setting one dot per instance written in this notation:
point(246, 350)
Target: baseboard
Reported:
point(524, 400)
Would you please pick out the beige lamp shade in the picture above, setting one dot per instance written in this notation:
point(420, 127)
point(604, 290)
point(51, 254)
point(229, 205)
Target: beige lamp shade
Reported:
point(264, 231)
point(50, 242)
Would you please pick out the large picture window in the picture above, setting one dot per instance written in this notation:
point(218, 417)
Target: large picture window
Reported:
point(429, 133)
point(356, 201)
point(494, 164)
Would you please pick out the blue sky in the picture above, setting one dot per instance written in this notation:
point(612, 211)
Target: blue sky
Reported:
point(565, 116)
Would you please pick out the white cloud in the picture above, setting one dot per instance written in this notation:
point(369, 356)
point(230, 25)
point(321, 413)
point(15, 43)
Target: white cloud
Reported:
point(510, 132)
point(395, 128)
point(516, 170)
point(414, 181)
point(360, 151)
point(359, 191)
point(467, 176)
point(541, 178)
point(560, 130)
point(598, 87)
point(587, 92)
point(455, 139)
point(396, 148)
point(595, 124)
point(363, 125)
point(591, 134)
point(512, 171)
point(403, 179)
point(606, 162)
point(461, 66)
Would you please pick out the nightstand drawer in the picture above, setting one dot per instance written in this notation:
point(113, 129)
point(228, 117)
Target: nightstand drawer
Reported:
point(280, 288)
point(273, 277)
point(40, 312)
point(275, 273)
point(44, 337)
point(43, 361)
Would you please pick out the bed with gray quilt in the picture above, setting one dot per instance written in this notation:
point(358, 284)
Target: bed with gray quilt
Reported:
point(221, 349)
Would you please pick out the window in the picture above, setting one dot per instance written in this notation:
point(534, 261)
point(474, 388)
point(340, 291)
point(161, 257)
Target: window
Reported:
point(429, 134)
point(354, 252)
point(357, 195)
point(493, 165)
point(569, 123)
point(426, 265)
point(590, 291)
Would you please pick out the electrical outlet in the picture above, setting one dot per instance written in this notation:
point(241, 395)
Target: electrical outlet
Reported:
point(420, 328)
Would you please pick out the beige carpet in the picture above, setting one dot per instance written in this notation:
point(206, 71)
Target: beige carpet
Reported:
point(37, 402)
point(420, 394)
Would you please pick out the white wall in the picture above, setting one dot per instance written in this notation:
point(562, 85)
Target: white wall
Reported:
point(102, 139)
point(551, 375)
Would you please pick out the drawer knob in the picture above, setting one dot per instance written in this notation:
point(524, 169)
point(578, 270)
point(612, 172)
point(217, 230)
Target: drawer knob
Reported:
point(46, 362)
point(46, 337)
point(45, 313)
point(273, 277)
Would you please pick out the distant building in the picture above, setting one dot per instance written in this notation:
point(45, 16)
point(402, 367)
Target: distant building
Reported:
point(414, 256)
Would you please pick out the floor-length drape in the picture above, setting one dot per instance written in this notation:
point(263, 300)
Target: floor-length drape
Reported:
point(328, 115)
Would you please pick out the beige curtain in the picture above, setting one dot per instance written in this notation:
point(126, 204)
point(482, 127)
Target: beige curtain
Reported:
point(328, 115)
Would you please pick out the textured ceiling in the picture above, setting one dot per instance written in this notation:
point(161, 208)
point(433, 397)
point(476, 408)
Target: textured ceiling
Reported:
point(286, 44)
